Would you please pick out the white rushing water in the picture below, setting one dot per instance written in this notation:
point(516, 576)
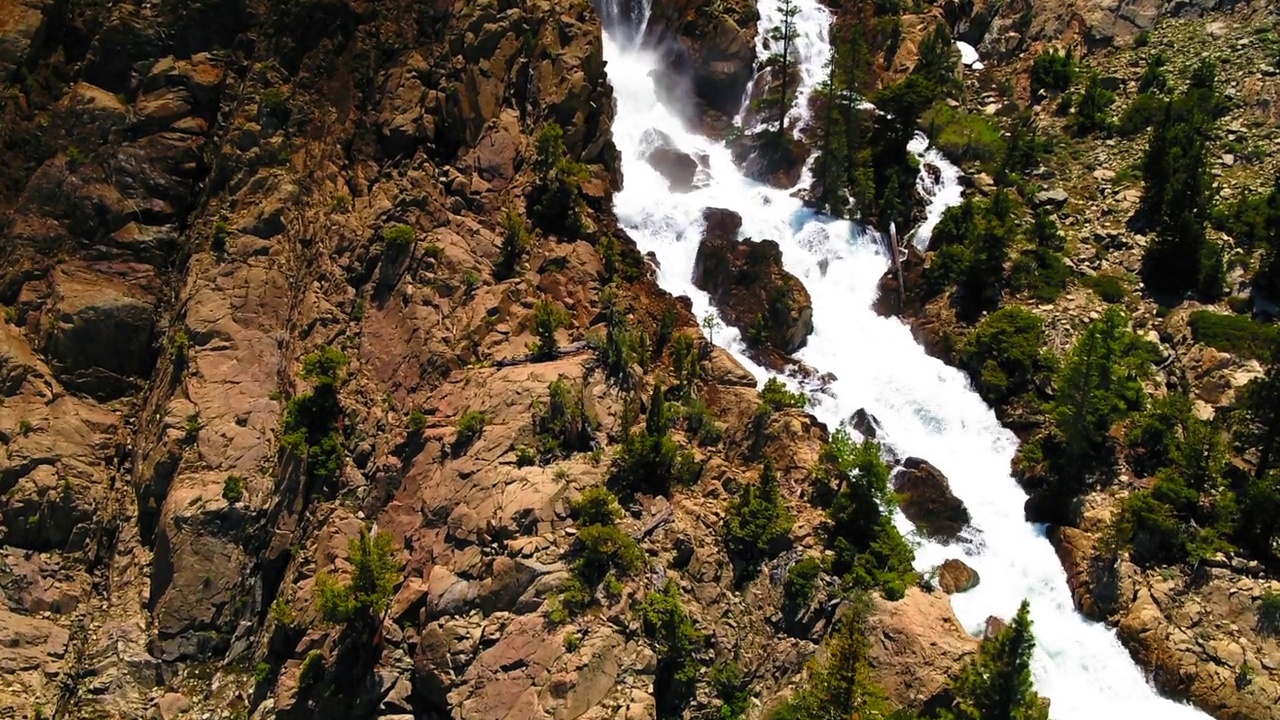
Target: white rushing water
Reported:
point(926, 408)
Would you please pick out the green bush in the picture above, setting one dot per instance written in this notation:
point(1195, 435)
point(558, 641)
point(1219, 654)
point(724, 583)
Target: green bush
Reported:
point(1234, 334)
point(261, 672)
point(364, 597)
point(776, 395)
point(676, 641)
point(178, 346)
point(572, 641)
point(470, 425)
point(1040, 272)
point(1005, 354)
point(732, 689)
point(973, 240)
point(1151, 438)
point(233, 488)
point(963, 135)
point(1093, 107)
point(312, 669)
point(869, 550)
point(1052, 71)
point(649, 459)
point(802, 581)
point(757, 520)
point(1142, 114)
point(557, 194)
point(516, 241)
point(597, 506)
point(602, 549)
point(1269, 613)
point(563, 425)
point(310, 423)
point(417, 421)
point(399, 236)
point(1110, 288)
point(548, 317)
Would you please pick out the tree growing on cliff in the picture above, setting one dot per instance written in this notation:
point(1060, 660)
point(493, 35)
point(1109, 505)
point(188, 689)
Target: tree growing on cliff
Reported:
point(556, 201)
point(776, 100)
point(757, 520)
point(1099, 384)
point(364, 597)
point(649, 458)
point(309, 427)
point(676, 641)
point(997, 684)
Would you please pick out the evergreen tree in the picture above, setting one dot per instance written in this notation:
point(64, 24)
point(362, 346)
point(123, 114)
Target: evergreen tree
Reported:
point(1099, 384)
point(777, 99)
point(997, 684)
point(1267, 278)
point(1256, 418)
point(757, 519)
point(840, 684)
point(1093, 106)
point(937, 61)
point(375, 572)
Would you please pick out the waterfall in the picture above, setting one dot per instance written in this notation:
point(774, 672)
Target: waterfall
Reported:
point(926, 408)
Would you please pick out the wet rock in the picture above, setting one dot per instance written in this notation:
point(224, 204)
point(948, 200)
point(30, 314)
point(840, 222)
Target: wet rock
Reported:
point(954, 576)
point(748, 284)
point(927, 500)
point(776, 160)
point(865, 423)
point(709, 54)
point(677, 166)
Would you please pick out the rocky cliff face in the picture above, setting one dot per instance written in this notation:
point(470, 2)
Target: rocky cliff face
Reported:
point(198, 195)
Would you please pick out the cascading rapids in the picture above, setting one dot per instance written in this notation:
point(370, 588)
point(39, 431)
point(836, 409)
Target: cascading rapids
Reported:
point(926, 408)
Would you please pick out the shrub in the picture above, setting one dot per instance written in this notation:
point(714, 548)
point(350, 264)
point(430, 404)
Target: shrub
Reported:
point(233, 488)
point(1143, 113)
point(417, 421)
point(557, 194)
point(311, 670)
point(1053, 71)
point(470, 425)
point(1151, 438)
point(572, 641)
point(869, 550)
point(516, 241)
point(802, 581)
point(282, 612)
point(602, 549)
point(732, 689)
point(548, 317)
point(191, 430)
point(563, 426)
point(525, 456)
point(1109, 288)
point(1269, 613)
point(399, 236)
point(470, 281)
point(273, 100)
point(649, 458)
point(25, 427)
point(1004, 355)
point(963, 135)
point(757, 520)
point(776, 395)
point(261, 672)
point(597, 506)
point(974, 239)
point(1041, 272)
point(310, 423)
point(1093, 107)
point(375, 572)
point(676, 642)
point(1234, 334)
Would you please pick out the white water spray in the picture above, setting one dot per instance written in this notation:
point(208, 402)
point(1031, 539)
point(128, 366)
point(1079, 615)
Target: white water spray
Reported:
point(926, 408)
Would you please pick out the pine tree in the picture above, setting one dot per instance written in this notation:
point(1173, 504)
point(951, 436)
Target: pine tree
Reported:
point(1267, 278)
point(776, 100)
point(840, 685)
point(997, 685)
point(1100, 383)
point(1256, 417)
point(757, 519)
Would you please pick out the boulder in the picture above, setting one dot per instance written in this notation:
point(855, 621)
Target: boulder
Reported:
point(769, 158)
point(954, 576)
point(1054, 199)
point(710, 53)
point(749, 286)
point(916, 645)
point(677, 166)
point(992, 627)
point(865, 423)
point(927, 500)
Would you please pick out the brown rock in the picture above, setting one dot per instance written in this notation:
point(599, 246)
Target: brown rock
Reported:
point(676, 166)
point(748, 284)
point(770, 158)
point(916, 646)
point(954, 576)
point(927, 500)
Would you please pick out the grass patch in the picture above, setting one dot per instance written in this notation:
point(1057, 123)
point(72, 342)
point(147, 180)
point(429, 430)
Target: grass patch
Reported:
point(1235, 334)
point(967, 136)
